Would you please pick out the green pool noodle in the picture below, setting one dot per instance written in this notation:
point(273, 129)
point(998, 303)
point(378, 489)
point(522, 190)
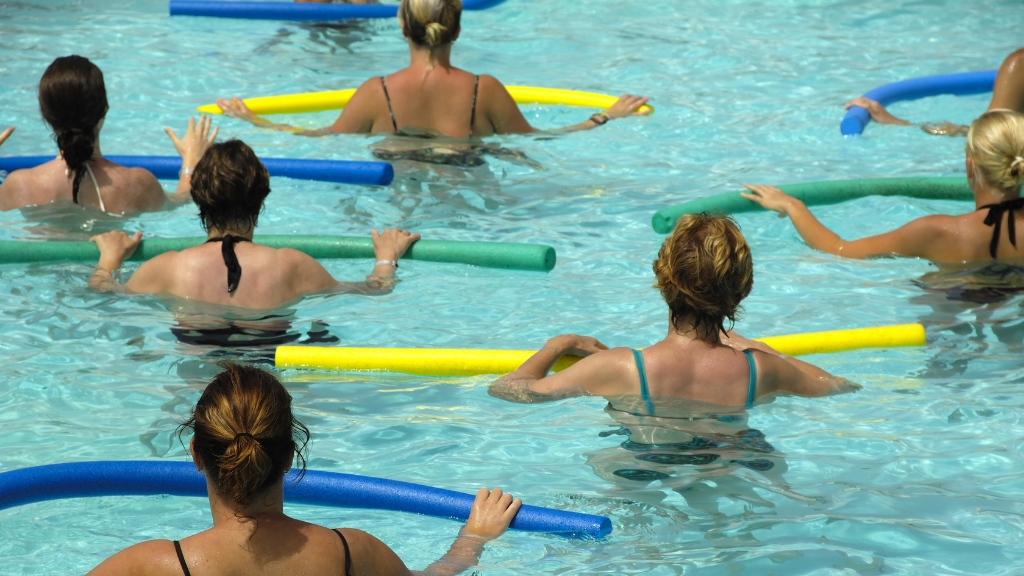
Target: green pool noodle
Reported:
point(506, 255)
point(820, 194)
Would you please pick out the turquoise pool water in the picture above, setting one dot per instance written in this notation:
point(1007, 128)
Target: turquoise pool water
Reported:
point(920, 473)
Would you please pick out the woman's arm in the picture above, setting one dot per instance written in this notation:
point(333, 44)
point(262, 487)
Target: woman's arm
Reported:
point(6, 134)
point(388, 247)
point(922, 238)
point(190, 147)
point(530, 383)
point(780, 373)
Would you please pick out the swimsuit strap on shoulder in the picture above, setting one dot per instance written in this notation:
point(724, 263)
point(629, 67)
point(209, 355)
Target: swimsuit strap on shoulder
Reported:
point(387, 97)
point(95, 185)
point(227, 251)
point(995, 219)
point(752, 381)
point(181, 558)
point(348, 555)
point(472, 113)
point(644, 392)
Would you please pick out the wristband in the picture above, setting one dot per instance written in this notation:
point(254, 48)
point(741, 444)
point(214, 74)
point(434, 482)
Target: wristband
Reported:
point(600, 118)
point(388, 262)
point(185, 172)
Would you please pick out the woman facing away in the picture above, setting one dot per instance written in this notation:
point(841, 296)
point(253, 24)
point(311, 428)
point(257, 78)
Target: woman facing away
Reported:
point(229, 186)
point(995, 171)
point(430, 94)
point(244, 439)
point(703, 270)
point(73, 101)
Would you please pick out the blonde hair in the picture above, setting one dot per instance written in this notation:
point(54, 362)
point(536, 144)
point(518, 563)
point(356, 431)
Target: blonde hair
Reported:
point(704, 269)
point(430, 23)
point(995, 143)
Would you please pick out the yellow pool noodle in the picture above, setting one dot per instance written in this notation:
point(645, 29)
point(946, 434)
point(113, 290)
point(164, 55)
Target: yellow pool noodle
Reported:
point(337, 99)
point(472, 362)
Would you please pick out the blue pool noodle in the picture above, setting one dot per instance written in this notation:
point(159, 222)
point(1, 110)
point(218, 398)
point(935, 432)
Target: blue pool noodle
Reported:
point(123, 478)
point(166, 167)
point(961, 84)
point(297, 12)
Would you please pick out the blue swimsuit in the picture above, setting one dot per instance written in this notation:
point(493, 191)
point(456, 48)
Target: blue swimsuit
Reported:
point(646, 394)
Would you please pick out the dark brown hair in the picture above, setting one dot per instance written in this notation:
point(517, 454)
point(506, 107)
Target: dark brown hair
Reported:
point(704, 270)
point(245, 433)
point(73, 101)
point(229, 186)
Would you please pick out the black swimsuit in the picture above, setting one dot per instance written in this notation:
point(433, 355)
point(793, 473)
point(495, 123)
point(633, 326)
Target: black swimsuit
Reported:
point(348, 556)
point(995, 218)
point(227, 250)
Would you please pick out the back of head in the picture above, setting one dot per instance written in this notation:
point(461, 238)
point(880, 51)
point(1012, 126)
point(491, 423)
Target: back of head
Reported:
point(430, 23)
point(245, 433)
point(229, 185)
point(73, 101)
point(995, 143)
point(704, 270)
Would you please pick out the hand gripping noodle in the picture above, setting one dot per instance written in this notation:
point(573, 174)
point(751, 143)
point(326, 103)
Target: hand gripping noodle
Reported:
point(820, 194)
point(124, 478)
point(463, 362)
point(337, 99)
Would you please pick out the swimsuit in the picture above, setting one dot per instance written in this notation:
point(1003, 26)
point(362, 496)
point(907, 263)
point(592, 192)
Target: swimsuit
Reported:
point(74, 197)
point(472, 112)
point(995, 219)
point(348, 556)
point(645, 394)
point(227, 250)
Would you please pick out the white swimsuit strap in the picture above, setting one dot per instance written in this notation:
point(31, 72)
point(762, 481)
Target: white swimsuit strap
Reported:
point(95, 185)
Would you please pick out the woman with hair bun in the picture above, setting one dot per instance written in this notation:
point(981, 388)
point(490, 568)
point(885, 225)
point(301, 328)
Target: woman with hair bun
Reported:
point(704, 270)
point(73, 101)
point(995, 171)
point(431, 96)
point(244, 439)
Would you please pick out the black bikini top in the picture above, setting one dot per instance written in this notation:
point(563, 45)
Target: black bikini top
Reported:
point(995, 218)
point(227, 250)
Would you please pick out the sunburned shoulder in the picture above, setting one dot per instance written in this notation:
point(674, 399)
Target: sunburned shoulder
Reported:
point(153, 557)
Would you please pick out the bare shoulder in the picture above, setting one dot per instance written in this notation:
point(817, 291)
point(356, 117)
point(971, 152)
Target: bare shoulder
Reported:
point(153, 557)
point(296, 259)
point(489, 85)
point(141, 177)
point(372, 555)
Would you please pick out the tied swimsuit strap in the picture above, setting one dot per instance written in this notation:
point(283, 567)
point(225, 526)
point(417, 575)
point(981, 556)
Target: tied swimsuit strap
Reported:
point(227, 250)
point(348, 556)
point(645, 392)
point(995, 219)
point(472, 112)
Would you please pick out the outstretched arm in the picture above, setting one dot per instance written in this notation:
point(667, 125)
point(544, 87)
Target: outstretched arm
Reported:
point(190, 147)
point(1008, 91)
point(388, 247)
point(236, 108)
point(490, 516)
point(530, 383)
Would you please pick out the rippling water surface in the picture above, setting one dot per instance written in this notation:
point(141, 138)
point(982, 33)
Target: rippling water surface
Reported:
point(920, 473)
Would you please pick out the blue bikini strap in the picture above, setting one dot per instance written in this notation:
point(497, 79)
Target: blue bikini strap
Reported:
point(644, 392)
point(752, 383)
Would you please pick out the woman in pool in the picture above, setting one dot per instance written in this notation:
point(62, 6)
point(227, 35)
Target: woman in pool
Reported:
point(244, 439)
point(1007, 94)
point(430, 94)
point(703, 270)
point(229, 186)
point(73, 101)
point(995, 170)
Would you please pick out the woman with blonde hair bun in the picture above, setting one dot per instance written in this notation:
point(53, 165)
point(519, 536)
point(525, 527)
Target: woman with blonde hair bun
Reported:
point(704, 270)
point(995, 171)
point(430, 96)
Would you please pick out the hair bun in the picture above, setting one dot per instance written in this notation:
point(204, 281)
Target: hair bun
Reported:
point(1017, 168)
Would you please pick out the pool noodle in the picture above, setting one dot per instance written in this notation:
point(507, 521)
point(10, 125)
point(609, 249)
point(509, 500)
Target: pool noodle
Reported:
point(960, 84)
point(504, 255)
point(166, 168)
point(472, 362)
point(297, 12)
point(124, 478)
point(820, 194)
point(337, 99)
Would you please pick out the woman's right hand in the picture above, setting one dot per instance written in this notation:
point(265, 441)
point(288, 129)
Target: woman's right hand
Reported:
point(195, 142)
point(770, 198)
point(491, 514)
point(115, 246)
point(627, 105)
point(392, 243)
point(6, 134)
point(237, 108)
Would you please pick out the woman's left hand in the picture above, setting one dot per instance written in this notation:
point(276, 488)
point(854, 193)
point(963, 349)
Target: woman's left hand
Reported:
point(770, 198)
point(626, 105)
point(195, 142)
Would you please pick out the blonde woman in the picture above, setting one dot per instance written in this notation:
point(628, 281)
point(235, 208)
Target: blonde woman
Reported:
point(431, 96)
point(703, 270)
point(995, 170)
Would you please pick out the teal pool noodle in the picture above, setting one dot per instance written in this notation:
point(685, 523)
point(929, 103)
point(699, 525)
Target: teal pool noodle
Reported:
point(505, 255)
point(820, 194)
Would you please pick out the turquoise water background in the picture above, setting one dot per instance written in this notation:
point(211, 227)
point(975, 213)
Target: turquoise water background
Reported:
point(919, 473)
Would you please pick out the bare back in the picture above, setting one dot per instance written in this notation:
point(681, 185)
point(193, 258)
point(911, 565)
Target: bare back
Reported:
point(966, 238)
point(124, 190)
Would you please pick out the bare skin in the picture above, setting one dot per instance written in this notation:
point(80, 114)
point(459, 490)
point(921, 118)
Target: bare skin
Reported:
point(1007, 94)
point(125, 190)
point(270, 277)
point(281, 545)
point(6, 134)
point(939, 238)
point(438, 99)
point(709, 368)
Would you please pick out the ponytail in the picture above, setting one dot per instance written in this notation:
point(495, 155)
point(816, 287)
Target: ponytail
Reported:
point(430, 23)
point(995, 142)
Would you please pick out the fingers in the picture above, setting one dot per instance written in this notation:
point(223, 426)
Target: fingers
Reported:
point(512, 510)
point(213, 136)
point(136, 238)
point(172, 136)
point(6, 134)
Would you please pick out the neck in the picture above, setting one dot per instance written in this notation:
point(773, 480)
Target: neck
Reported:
point(686, 331)
point(241, 232)
point(422, 57)
point(96, 154)
point(268, 506)
point(985, 193)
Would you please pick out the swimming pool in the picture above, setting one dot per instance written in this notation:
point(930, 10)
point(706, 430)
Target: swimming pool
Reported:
point(918, 473)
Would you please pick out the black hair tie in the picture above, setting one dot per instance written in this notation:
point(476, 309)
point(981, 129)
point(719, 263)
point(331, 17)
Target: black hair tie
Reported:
point(240, 434)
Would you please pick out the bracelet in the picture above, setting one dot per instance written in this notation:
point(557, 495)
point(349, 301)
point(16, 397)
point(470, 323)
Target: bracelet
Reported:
point(388, 262)
point(600, 118)
point(185, 172)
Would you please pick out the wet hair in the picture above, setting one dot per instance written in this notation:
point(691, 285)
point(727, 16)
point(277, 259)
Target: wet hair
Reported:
point(245, 433)
point(430, 23)
point(229, 185)
point(995, 142)
point(73, 101)
point(704, 270)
